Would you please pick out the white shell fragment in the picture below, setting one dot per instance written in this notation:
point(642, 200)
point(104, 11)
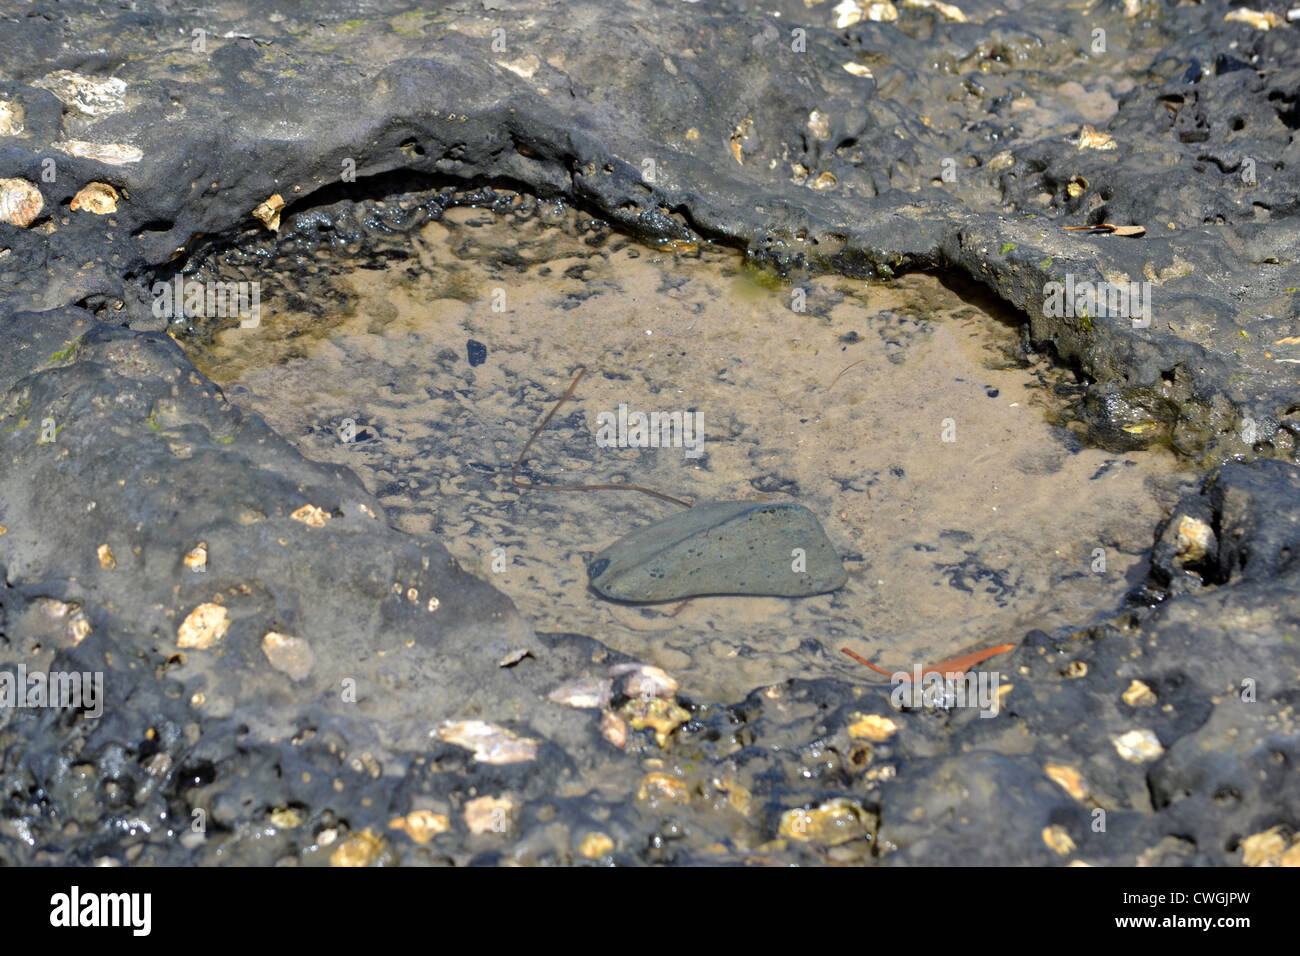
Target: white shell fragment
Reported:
point(645, 680)
point(11, 118)
point(490, 743)
point(89, 95)
point(20, 202)
point(289, 655)
point(1138, 746)
point(513, 657)
point(111, 154)
point(583, 692)
point(206, 625)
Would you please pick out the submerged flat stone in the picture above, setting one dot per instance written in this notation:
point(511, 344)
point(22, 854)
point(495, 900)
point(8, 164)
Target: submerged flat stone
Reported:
point(723, 547)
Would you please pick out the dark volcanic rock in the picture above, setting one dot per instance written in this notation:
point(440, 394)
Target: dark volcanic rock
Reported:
point(865, 148)
point(740, 126)
point(1219, 703)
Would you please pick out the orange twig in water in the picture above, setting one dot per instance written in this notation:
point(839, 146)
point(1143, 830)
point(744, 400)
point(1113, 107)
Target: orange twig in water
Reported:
point(954, 667)
point(863, 660)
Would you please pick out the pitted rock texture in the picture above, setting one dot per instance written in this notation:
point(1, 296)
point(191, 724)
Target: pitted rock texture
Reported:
point(865, 148)
point(950, 143)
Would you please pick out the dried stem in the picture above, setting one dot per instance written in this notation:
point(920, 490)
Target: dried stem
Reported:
point(514, 472)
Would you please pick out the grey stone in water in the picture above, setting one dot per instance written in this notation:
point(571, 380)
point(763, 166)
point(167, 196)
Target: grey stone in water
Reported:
point(723, 547)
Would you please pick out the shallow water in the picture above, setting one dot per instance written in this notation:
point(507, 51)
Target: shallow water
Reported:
point(844, 407)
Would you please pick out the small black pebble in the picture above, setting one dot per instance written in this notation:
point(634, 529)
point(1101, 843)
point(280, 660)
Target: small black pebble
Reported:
point(477, 352)
point(1223, 63)
point(991, 392)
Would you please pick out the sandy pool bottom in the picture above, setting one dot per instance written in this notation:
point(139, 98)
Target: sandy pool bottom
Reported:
point(904, 415)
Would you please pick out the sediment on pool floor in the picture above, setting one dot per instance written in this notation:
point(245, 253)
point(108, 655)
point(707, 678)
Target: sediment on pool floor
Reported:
point(935, 448)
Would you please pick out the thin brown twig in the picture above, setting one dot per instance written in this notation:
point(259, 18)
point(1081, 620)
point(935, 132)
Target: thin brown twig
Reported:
point(568, 392)
point(842, 371)
point(514, 471)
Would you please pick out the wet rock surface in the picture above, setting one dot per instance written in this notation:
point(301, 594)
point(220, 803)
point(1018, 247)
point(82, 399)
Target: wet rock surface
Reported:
point(278, 661)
